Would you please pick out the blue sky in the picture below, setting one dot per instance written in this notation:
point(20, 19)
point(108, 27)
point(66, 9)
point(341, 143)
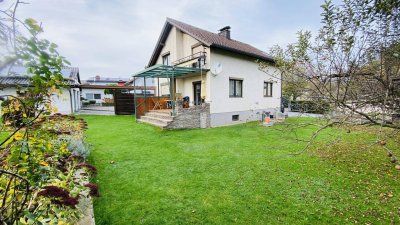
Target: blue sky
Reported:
point(115, 38)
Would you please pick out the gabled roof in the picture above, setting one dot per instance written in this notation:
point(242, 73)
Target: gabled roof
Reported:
point(17, 76)
point(209, 39)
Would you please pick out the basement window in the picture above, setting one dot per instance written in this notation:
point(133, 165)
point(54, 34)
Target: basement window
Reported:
point(235, 117)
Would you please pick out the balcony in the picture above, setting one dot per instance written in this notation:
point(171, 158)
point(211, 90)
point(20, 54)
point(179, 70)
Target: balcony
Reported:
point(200, 56)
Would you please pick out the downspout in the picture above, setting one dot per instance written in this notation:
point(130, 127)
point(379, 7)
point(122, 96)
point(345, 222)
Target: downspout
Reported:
point(282, 107)
point(134, 97)
point(158, 88)
point(145, 95)
point(173, 91)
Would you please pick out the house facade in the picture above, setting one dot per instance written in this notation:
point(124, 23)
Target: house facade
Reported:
point(68, 102)
point(225, 74)
point(94, 88)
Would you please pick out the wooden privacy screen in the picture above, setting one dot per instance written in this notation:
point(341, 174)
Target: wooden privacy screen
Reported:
point(150, 103)
point(124, 104)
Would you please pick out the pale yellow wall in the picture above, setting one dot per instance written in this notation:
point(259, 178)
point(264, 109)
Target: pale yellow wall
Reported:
point(170, 46)
point(185, 86)
point(187, 43)
point(179, 45)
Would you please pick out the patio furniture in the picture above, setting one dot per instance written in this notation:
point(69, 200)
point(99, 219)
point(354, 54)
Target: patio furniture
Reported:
point(169, 104)
point(185, 102)
point(157, 103)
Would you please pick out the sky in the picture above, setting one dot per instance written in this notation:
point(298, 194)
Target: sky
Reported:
point(115, 38)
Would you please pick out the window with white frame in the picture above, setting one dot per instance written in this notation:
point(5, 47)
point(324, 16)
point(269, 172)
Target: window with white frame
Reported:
point(91, 96)
point(166, 59)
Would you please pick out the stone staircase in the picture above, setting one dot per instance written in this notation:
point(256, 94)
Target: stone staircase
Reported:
point(159, 118)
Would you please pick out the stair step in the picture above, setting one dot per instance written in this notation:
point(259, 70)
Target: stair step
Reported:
point(160, 115)
point(156, 119)
point(161, 112)
point(161, 125)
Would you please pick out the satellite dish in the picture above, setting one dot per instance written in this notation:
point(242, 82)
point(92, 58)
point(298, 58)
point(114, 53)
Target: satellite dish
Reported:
point(216, 69)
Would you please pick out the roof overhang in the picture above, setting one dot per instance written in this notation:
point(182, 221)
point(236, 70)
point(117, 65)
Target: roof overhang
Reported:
point(87, 86)
point(256, 56)
point(164, 71)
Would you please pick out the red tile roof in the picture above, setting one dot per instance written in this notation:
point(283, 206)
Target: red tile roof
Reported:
point(209, 39)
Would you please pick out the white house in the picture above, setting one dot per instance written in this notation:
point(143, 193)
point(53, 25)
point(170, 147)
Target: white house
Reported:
point(67, 102)
point(220, 76)
point(94, 88)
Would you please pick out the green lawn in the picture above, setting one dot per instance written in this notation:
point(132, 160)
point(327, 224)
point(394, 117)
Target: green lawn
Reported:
point(238, 174)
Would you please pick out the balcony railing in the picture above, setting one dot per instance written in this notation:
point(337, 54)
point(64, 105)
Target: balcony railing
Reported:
point(201, 56)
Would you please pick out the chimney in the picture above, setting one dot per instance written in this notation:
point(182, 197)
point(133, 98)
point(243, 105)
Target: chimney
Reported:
point(225, 32)
point(97, 77)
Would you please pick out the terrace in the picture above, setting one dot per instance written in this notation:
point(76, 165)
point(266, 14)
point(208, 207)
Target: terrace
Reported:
point(168, 104)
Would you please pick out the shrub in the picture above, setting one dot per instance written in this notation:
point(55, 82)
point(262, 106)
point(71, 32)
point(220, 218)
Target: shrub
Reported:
point(319, 107)
point(55, 151)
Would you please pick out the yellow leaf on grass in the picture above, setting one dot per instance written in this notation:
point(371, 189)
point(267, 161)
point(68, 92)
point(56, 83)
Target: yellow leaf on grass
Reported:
point(18, 136)
point(43, 163)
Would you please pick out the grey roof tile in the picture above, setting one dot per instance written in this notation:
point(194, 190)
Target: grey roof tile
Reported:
point(17, 76)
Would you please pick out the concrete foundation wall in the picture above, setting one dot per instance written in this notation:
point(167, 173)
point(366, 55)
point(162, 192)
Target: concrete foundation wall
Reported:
point(222, 119)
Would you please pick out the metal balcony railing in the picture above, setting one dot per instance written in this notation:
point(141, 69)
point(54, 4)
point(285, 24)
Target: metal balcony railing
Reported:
point(201, 56)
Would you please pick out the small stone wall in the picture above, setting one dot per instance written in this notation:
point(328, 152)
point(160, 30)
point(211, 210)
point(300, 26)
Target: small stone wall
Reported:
point(396, 118)
point(197, 116)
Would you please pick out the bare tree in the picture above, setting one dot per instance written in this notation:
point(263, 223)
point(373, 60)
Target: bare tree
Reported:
point(353, 64)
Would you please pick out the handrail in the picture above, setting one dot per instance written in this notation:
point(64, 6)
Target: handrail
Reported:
point(188, 58)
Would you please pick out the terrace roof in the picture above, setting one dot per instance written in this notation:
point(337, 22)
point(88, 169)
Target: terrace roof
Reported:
point(164, 71)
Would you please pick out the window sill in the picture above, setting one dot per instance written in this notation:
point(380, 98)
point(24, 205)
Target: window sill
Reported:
point(235, 96)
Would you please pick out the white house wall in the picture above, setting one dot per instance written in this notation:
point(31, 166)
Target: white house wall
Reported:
point(7, 91)
point(252, 103)
point(65, 102)
point(96, 91)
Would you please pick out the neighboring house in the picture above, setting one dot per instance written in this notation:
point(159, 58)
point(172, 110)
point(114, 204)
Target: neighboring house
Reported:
point(94, 87)
point(214, 69)
point(68, 102)
point(139, 84)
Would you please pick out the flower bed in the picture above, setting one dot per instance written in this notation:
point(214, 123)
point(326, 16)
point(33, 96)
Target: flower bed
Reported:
point(43, 173)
